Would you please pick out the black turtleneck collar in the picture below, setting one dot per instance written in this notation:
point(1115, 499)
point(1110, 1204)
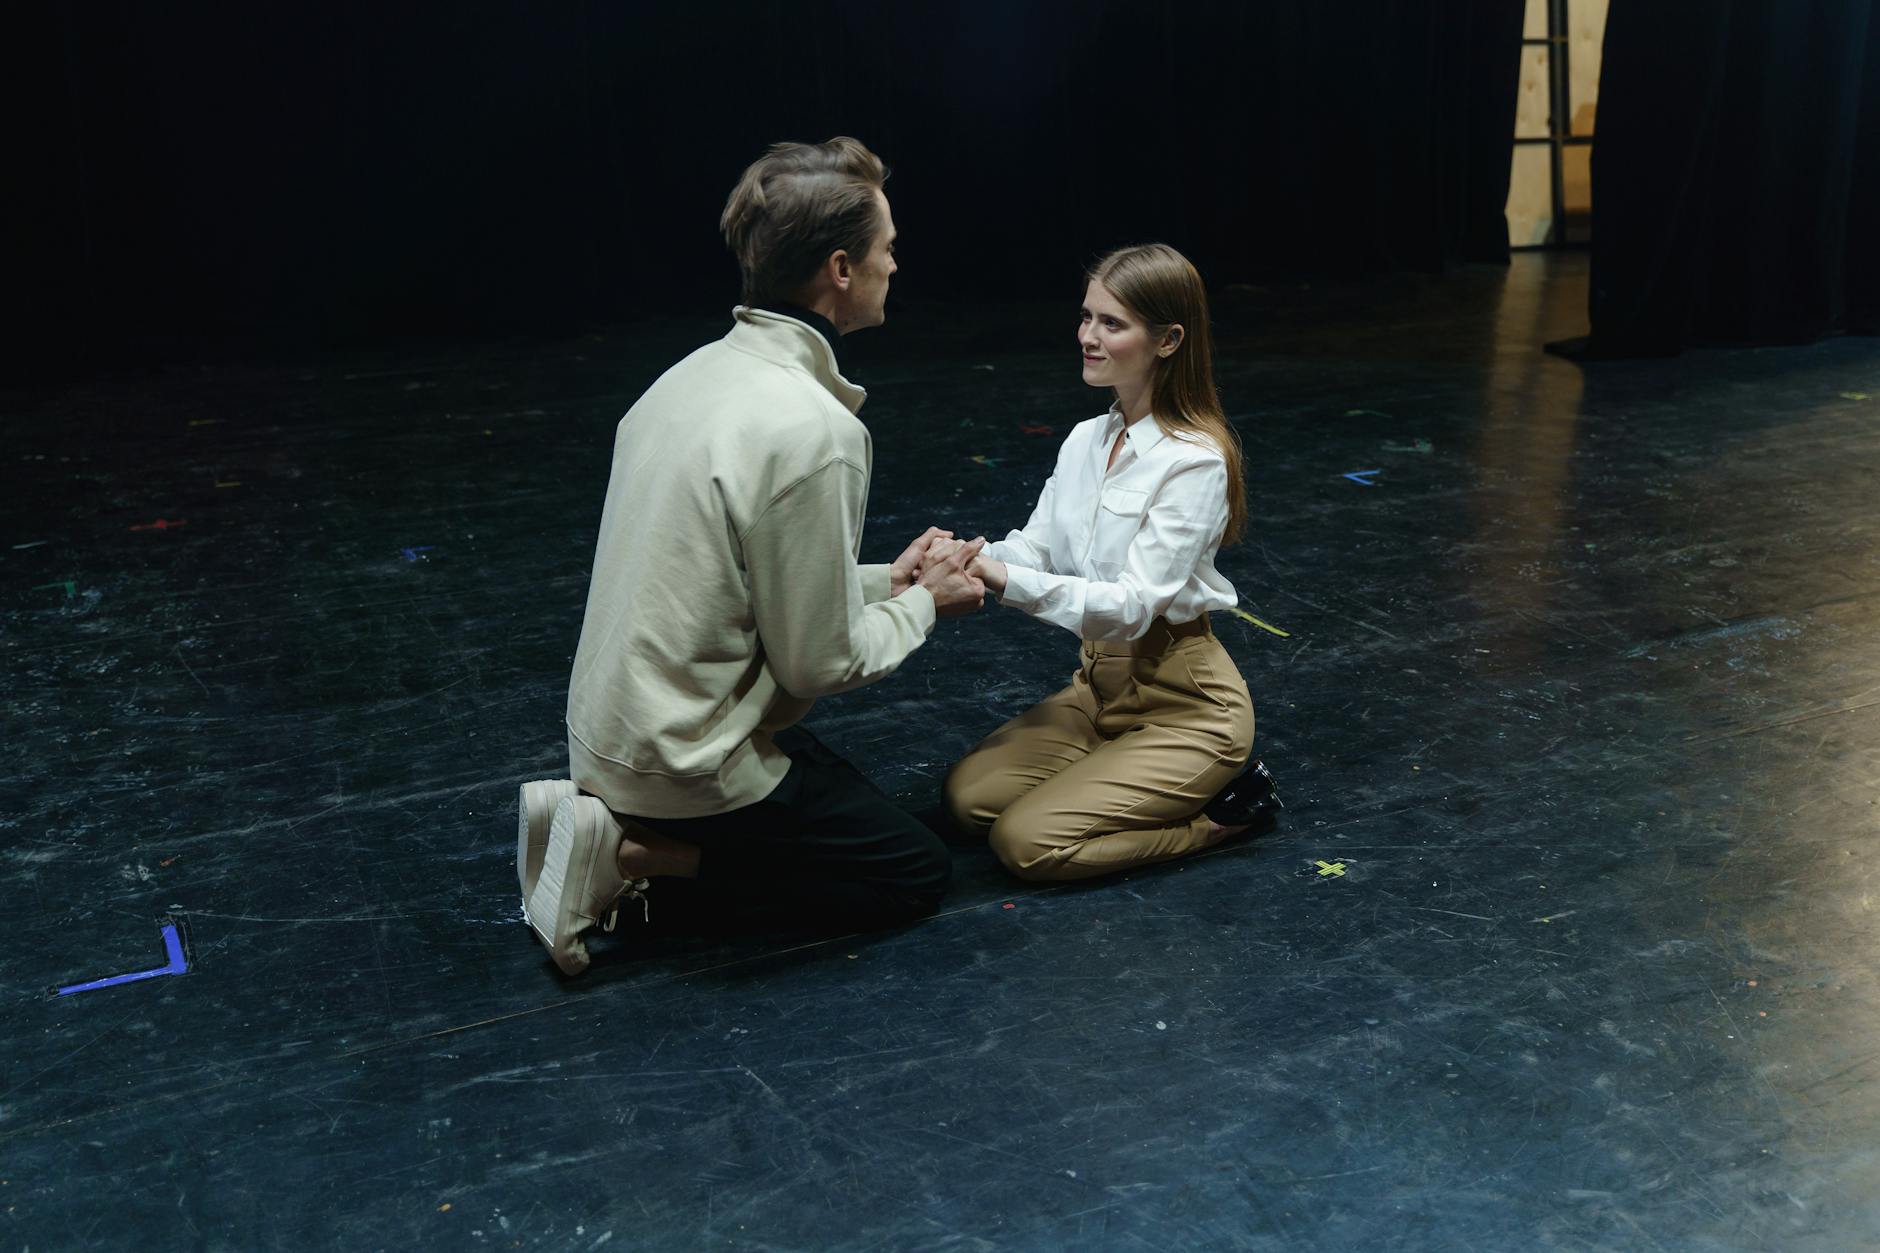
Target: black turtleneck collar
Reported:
point(815, 321)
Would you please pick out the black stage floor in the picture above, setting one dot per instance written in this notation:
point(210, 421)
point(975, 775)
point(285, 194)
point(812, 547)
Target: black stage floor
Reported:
point(1568, 940)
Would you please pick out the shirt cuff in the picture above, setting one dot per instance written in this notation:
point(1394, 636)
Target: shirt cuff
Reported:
point(877, 583)
point(923, 605)
point(1023, 587)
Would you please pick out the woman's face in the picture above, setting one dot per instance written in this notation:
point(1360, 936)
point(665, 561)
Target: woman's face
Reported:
point(1115, 342)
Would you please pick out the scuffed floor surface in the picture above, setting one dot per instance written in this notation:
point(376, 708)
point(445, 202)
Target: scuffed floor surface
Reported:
point(1568, 940)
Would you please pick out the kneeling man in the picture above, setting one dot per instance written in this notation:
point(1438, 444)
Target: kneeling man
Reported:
point(726, 597)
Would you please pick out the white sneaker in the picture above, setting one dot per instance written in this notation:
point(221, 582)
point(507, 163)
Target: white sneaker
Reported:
point(535, 809)
point(580, 883)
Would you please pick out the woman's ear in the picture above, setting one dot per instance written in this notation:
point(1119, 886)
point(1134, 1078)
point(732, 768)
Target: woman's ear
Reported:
point(1171, 340)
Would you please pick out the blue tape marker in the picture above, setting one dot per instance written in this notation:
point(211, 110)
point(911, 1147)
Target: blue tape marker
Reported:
point(411, 554)
point(172, 945)
point(1358, 476)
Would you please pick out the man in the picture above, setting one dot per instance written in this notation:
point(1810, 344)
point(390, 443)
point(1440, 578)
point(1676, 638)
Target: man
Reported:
point(726, 597)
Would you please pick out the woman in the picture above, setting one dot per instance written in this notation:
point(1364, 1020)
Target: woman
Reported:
point(1147, 755)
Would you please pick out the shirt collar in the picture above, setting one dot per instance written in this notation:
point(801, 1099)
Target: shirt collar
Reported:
point(1143, 436)
point(815, 321)
point(791, 342)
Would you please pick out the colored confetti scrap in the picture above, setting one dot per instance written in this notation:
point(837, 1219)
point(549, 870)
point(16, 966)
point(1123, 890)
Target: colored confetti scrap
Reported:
point(173, 949)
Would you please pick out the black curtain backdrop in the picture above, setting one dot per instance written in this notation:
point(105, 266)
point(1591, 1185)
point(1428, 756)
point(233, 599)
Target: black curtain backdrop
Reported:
point(1736, 177)
point(189, 178)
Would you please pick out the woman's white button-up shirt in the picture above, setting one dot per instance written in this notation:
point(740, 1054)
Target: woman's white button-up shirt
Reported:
point(1107, 551)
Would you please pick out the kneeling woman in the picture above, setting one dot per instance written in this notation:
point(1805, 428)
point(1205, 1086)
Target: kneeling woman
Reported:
point(1147, 755)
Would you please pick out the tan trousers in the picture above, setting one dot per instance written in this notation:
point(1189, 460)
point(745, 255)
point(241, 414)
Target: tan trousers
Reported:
point(1112, 771)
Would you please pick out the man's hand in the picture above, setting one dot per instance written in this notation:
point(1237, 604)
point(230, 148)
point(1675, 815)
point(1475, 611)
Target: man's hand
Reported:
point(946, 574)
point(988, 570)
point(906, 568)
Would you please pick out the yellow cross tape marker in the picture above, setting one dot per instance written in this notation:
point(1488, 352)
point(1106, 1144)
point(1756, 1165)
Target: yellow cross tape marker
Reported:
point(1330, 867)
point(1264, 626)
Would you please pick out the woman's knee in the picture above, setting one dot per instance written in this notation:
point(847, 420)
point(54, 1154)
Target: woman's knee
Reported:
point(1020, 849)
point(970, 794)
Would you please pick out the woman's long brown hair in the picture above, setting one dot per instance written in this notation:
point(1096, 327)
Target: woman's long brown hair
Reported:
point(1163, 289)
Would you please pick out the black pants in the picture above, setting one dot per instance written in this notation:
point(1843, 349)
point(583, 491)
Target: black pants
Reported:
point(826, 851)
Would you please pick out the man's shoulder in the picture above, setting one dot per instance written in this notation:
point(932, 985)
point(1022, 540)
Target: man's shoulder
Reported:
point(723, 374)
point(717, 391)
point(758, 423)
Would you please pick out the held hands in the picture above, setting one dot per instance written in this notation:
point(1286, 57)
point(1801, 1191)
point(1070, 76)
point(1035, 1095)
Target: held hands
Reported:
point(906, 568)
point(990, 571)
point(954, 571)
point(947, 572)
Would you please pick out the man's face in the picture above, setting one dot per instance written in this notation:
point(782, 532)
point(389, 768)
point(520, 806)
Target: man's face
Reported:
point(867, 297)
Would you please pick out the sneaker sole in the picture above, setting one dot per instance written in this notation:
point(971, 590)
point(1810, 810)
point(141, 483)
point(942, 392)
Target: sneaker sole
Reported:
point(574, 856)
point(535, 810)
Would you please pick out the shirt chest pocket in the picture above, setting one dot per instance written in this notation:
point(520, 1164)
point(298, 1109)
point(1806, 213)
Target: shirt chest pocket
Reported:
point(1119, 517)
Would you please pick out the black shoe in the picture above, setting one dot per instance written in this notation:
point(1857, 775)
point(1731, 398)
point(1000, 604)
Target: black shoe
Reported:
point(1252, 799)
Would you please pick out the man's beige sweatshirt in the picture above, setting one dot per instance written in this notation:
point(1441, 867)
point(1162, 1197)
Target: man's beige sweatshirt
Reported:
point(725, 595)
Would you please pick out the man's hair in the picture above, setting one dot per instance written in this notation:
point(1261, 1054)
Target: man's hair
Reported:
point(794, 206)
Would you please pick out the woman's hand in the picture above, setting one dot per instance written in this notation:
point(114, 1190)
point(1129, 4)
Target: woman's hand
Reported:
point(991, 572)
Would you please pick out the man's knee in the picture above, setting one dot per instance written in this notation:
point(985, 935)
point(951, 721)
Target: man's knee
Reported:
point(932, 870)
point(921, 880)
